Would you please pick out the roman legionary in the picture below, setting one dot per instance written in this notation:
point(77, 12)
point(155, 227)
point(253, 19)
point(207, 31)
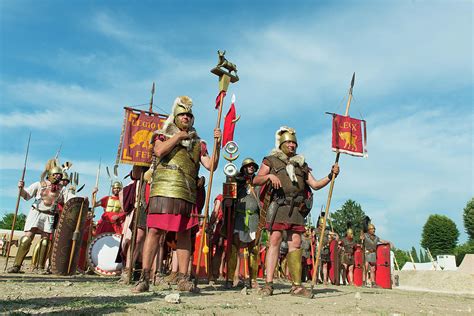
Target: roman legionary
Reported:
point(48, 194)
point(245, 222)
point(369, 243)
point(325, 256)
point(178, 152)
point(348, 245)
point(113, 216)
point(290, 179)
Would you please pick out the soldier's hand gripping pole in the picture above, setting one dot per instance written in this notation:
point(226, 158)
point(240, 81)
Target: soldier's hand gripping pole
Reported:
point(331, 187)
point(224, 81)
point(20, 189)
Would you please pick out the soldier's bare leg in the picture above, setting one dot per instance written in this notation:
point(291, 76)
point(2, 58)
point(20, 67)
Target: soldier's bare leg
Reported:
point(350, 275)
point(183, 250)
point(325, 273)
point(149, 253)
point(271, 260)
point(272, 255)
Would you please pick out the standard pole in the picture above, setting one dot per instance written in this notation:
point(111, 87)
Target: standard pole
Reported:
point(331, 187)
point(224, 81)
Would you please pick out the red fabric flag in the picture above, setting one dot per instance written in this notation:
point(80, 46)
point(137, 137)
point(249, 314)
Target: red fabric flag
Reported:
point(219, 97)
point(229, 126)
point(138, 130)
point(347, 136)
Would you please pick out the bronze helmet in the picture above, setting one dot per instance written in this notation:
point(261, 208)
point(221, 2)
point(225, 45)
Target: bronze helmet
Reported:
point(246, 162)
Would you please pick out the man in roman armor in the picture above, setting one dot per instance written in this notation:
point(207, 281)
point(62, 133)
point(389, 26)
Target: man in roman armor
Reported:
point(48, 194)
point(369, 243)
point(178, 154)
point(291, 180)
point(325, 256)
point(245, 222)
point(348, 247)
point(113, 217)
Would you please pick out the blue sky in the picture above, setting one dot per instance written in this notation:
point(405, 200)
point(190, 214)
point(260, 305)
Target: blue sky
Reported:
point(69, 67)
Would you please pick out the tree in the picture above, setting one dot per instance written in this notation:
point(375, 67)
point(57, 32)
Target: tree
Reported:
point(440, 235)
point(414, 255)
point(401, 257)
point(7, 221)
point(461, 250)
point(349, 212)
point(422, 256)
point(468, 218)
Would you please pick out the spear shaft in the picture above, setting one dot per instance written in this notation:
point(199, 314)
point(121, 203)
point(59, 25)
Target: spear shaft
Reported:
point(331, 187)
point(17, 202)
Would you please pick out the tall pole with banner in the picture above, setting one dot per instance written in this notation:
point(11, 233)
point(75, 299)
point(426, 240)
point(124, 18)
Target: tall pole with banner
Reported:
point(224, 70)
point(350, 146)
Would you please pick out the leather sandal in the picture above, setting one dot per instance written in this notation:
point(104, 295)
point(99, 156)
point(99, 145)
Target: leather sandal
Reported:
point(266, 290)
point(301, 291)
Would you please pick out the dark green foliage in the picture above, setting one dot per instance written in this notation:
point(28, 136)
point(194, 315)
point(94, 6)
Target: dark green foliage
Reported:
point(468, 217)
point(350, 211)
point(461, 250)
point(7, 221)
point(422, 257)
point(440, 235)
point(414, 255)
point(401, 257)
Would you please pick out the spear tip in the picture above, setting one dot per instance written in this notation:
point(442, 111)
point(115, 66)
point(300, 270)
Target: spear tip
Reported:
point(353, 79)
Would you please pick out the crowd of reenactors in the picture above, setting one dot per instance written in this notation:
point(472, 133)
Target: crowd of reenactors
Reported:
point(260, 233)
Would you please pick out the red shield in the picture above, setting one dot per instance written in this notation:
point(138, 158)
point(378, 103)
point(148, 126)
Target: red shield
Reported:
point(358, 265)
point(383, 275)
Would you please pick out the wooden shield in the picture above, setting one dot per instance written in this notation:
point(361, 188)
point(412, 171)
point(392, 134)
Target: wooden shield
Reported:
point(72, 217)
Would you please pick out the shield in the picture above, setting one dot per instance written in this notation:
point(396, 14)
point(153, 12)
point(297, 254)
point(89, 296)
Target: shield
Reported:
point(358, 265)
point(383, 275)
point(334, 269)
point(102, 253)
point(74, 213)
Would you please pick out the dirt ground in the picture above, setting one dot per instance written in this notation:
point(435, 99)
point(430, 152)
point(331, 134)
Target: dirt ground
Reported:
point(37, 294)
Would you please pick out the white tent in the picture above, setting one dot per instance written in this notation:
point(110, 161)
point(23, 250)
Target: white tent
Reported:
point(447, 262)
point(425, 266)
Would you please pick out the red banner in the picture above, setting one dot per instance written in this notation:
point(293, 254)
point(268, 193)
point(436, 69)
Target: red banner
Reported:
point(349, 136)
point(135, 147)
point(229, 126)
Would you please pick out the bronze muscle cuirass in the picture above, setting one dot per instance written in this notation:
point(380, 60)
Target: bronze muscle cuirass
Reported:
point(113, 205)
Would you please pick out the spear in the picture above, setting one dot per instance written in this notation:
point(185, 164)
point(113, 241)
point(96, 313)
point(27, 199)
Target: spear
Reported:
point(94, 201)
point(224, 81)
point(152, 94)
point(58, 152)
point(17, 203)
point(331, 187)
